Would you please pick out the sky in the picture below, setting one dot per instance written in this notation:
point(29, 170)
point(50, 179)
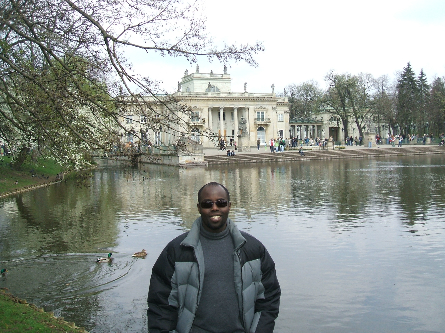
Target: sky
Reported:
point(304, 40)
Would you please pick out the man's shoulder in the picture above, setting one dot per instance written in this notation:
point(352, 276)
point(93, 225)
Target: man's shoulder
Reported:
point(251, 240)
point(177, 240)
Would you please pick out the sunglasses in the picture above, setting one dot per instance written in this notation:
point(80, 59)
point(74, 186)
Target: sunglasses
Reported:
point(209, 203)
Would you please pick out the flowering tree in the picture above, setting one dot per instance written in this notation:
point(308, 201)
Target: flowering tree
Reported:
point(64, 76)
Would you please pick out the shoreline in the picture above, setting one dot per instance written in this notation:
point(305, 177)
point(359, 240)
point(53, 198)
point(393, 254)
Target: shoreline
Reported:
point(29, 315)
point(28, 188)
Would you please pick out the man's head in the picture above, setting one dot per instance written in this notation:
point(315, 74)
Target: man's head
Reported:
point(214, 206)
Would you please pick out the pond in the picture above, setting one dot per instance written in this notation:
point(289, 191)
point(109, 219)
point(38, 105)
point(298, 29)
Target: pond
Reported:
point(359, 245)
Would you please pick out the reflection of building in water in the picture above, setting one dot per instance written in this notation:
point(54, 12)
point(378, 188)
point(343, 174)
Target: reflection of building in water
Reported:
point(170, 194)
point(249, 186)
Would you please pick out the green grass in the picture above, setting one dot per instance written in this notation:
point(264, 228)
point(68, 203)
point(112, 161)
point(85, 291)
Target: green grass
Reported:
point(18, 316)
point(31, 173)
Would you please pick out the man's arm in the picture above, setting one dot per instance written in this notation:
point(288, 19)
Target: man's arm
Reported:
point(162, 313)
point(269, 306)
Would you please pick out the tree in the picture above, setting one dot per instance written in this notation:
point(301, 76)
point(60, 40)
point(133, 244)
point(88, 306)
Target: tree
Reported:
point(383, 100)
point(437, 106)
point(347, 97)
point(407, 98)
point(423, 98)
point(63, 67)
point(304, 100)
point(335, 99)
point(359, 94)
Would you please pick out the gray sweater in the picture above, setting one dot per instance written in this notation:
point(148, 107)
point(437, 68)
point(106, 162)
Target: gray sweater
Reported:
point(218, 310)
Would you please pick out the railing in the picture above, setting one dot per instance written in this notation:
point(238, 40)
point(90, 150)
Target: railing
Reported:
point(197, 121)
point(262, 120)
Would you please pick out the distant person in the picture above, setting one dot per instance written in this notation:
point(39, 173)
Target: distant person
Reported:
point(214, 278)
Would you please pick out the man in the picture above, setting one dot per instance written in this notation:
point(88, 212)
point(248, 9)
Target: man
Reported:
point(213, 278)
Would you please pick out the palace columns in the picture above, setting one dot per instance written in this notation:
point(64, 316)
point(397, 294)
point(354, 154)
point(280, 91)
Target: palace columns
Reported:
point(235, 116)
point(221, 121)
point(209, 125)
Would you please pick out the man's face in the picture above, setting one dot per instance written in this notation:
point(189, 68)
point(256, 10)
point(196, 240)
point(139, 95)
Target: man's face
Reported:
point(214, 219)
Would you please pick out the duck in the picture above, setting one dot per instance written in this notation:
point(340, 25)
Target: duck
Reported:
point(3, 272)
point(108, 259)
point(141, 254)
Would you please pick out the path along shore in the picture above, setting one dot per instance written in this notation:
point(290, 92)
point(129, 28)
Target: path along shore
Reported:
point(214, 156)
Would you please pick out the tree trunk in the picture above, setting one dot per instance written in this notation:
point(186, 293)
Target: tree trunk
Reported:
point(21, 158)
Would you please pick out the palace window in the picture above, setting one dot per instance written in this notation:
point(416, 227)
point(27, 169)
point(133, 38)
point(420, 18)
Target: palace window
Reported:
point(260, 115)
point(194, 116)
point(158, 138)
point(130, 137)
point(143, 119)
point(196, 135)
point(129, 119)
point(280, 117)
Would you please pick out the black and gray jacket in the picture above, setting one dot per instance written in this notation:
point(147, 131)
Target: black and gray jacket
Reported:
point(175, 284)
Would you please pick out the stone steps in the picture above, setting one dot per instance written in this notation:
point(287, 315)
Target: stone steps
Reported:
point(294, 155)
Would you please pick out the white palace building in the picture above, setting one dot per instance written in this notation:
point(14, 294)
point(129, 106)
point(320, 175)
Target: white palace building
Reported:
point(219, 113)
point(215, 113)
point(228, 114)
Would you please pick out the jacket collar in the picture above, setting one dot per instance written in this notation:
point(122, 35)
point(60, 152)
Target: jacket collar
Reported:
point(192, 238)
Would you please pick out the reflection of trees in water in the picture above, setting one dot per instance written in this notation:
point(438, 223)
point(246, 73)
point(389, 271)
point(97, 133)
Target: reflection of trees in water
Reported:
point(347, 190)
point(353, 187)
point(420, 189)
point(67, 218)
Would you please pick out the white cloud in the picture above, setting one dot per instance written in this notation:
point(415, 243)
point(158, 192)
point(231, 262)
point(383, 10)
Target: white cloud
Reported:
point(304, 40)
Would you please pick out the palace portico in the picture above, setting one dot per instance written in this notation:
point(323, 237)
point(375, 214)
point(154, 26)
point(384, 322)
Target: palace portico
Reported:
point(218, 111)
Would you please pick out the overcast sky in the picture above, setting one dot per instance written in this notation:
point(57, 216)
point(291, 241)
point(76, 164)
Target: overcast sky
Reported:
point(304, 40)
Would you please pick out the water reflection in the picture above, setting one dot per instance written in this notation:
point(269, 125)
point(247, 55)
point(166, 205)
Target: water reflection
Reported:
point(359, 244)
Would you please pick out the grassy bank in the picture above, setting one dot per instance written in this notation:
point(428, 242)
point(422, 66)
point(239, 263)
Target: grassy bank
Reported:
point(30, 174)
point(18, 316)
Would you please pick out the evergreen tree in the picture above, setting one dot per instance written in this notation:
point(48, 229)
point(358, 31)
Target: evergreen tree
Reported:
point(423, 120)
point(407, 98)
point(436, 109)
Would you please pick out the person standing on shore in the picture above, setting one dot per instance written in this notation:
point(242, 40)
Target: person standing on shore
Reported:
point(272, 146)
point(214, 278)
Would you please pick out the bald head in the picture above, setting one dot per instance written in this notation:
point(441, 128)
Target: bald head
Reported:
point(213, 184)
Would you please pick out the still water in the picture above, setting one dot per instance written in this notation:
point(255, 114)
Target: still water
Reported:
point(359, 245)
